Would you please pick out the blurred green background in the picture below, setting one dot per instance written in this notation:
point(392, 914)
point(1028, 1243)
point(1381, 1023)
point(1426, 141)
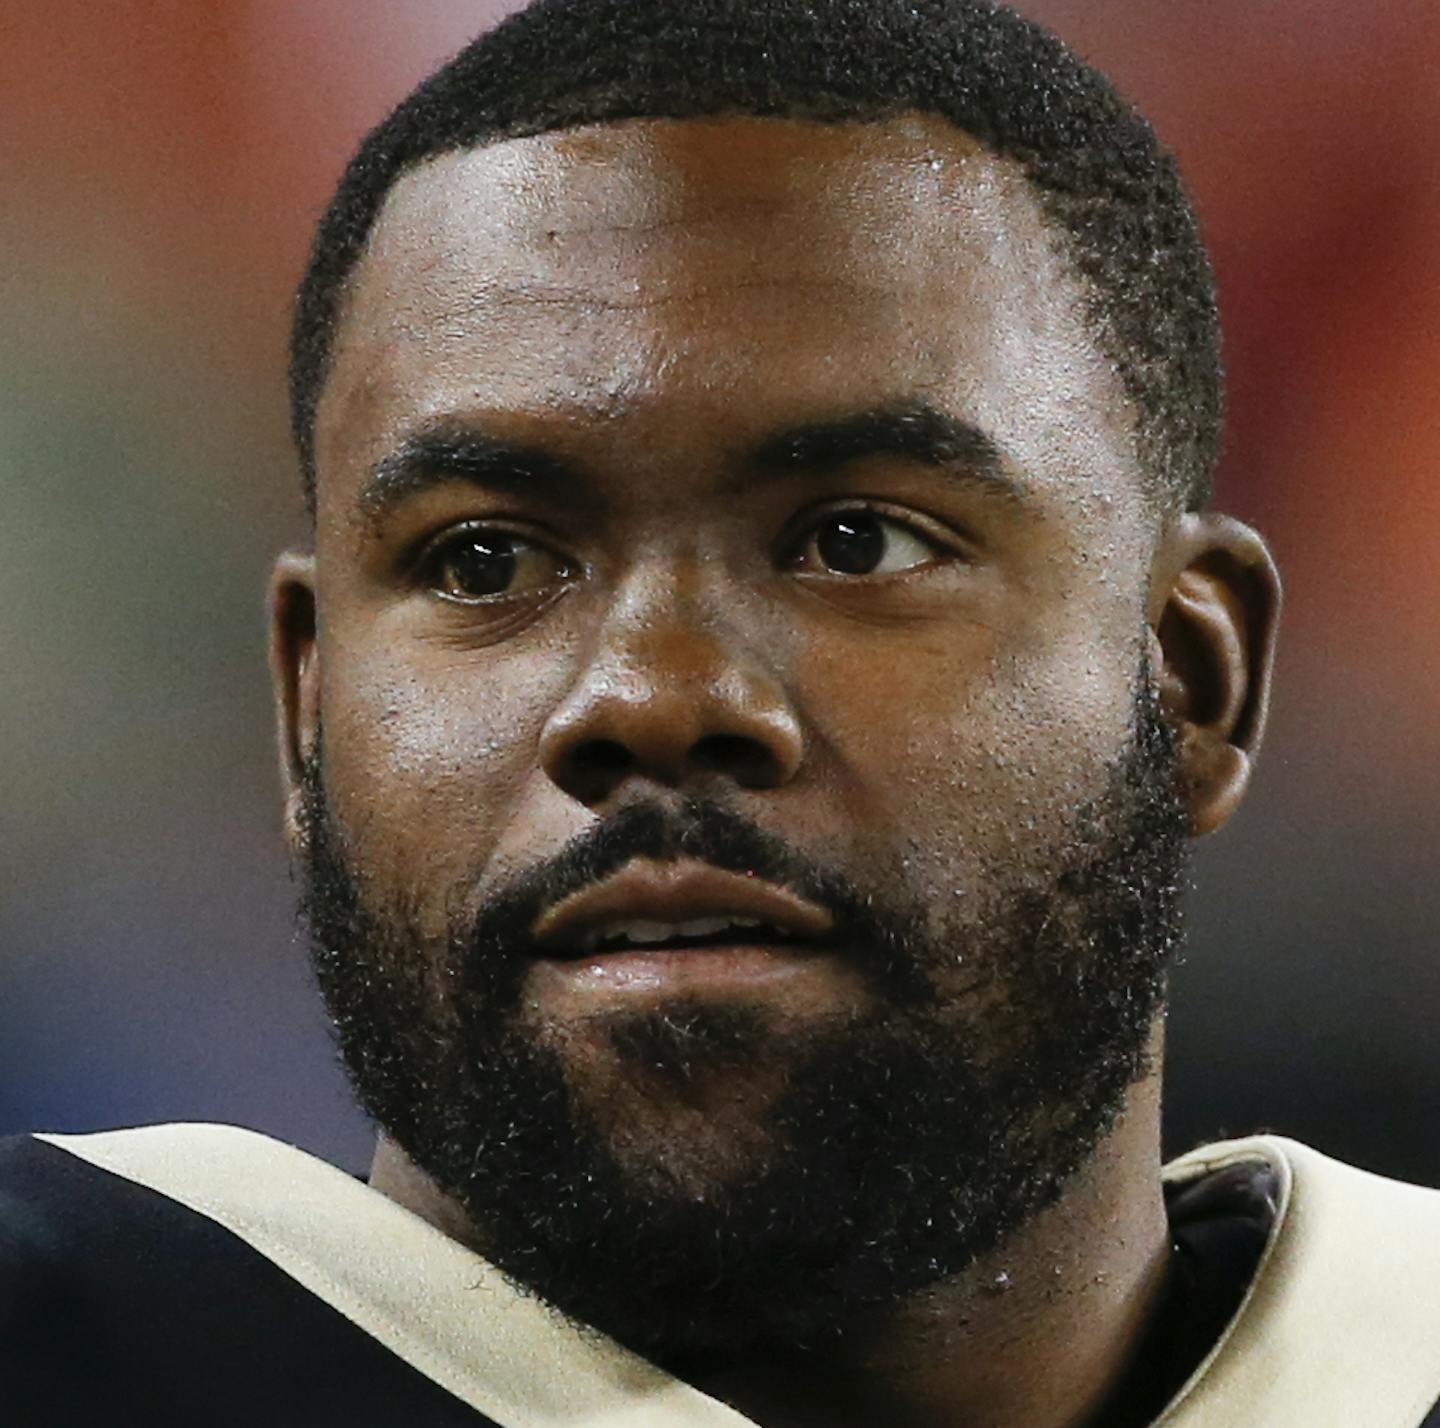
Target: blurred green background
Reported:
point(161, 166)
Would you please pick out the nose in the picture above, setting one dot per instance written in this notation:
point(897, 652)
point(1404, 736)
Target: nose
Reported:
point(673, 702)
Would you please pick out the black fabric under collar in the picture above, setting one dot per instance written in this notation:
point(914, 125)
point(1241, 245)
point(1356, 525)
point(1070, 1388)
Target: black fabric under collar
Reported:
point(120, 1308)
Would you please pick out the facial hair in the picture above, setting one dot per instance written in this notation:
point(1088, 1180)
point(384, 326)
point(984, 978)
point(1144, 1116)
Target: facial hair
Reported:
point(906, 1143)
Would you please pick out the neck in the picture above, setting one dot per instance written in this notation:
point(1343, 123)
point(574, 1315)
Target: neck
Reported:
point(1045, 1332)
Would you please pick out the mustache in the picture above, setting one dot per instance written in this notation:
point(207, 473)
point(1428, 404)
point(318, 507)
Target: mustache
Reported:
point(492, 944)
point(700, 830)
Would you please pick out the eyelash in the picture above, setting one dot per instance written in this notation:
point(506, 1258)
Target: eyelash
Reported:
point(948, 544)
point(426, 563)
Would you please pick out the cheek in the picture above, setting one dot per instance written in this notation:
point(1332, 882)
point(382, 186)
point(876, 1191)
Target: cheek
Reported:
point(428, 751)
point(967, 754)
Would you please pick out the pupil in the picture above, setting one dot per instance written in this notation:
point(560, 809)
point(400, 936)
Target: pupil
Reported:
point(852, 545)
point(482, 565)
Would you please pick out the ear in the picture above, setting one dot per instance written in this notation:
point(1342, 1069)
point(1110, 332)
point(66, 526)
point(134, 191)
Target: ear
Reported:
point(295, 675)
point(1214, 610)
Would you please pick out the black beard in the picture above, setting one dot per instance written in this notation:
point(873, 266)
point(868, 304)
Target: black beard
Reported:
point(896, 1155)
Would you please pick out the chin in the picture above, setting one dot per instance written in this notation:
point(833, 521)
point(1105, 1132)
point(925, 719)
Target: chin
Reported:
point(684, 1100)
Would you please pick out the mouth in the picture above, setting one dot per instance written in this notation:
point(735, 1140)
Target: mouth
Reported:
point(684, 929)
point(691, 935)
point(649, 907)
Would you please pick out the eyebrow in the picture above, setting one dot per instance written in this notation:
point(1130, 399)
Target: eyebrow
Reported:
point(446, 452)
point(914, 431)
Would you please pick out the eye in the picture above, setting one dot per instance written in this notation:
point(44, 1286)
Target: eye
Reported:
point(864, 543)
point(481, 563)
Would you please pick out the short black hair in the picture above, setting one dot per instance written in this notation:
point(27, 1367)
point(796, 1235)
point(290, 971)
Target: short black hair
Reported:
point(1099, 172)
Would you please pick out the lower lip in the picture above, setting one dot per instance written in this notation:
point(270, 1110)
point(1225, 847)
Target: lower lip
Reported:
point(740, 967)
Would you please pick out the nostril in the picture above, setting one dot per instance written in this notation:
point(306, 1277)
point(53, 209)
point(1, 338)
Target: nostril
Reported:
point(596, 766)
point(747, 761)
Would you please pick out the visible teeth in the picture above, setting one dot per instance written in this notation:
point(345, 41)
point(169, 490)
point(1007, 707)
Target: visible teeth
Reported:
point(669, 931)
point(663, 931)
point(656, 933)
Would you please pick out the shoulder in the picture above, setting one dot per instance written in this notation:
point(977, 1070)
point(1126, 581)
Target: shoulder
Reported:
point(63, 1226)
point(1349, 1276)
point(123, 1301)
point(46, 1200)
point(72, 1207)
point(30, 1250)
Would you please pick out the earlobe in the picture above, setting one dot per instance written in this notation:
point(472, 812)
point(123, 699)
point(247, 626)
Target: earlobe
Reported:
point(1213, 622)
point(295, 676)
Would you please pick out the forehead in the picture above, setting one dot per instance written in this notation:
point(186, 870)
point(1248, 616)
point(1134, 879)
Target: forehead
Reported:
point(694, 281)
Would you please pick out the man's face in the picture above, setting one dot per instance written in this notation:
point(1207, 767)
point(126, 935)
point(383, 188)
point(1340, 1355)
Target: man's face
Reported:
point(720, 523)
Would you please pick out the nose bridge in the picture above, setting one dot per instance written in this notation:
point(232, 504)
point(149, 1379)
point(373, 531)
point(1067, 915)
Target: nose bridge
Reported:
point(678, 687)
point(685, 613)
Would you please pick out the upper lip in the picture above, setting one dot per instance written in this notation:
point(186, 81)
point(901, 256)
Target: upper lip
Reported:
point(669, 893)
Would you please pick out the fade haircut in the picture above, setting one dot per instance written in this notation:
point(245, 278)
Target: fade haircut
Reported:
point(1099, 173)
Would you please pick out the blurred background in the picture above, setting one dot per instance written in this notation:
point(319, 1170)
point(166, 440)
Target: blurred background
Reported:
point(161, 166)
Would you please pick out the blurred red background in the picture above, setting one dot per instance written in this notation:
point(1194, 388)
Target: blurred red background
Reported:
point(162, 165)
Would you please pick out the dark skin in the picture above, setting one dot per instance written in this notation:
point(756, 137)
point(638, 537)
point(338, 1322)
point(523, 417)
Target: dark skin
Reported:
point(612, 346)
